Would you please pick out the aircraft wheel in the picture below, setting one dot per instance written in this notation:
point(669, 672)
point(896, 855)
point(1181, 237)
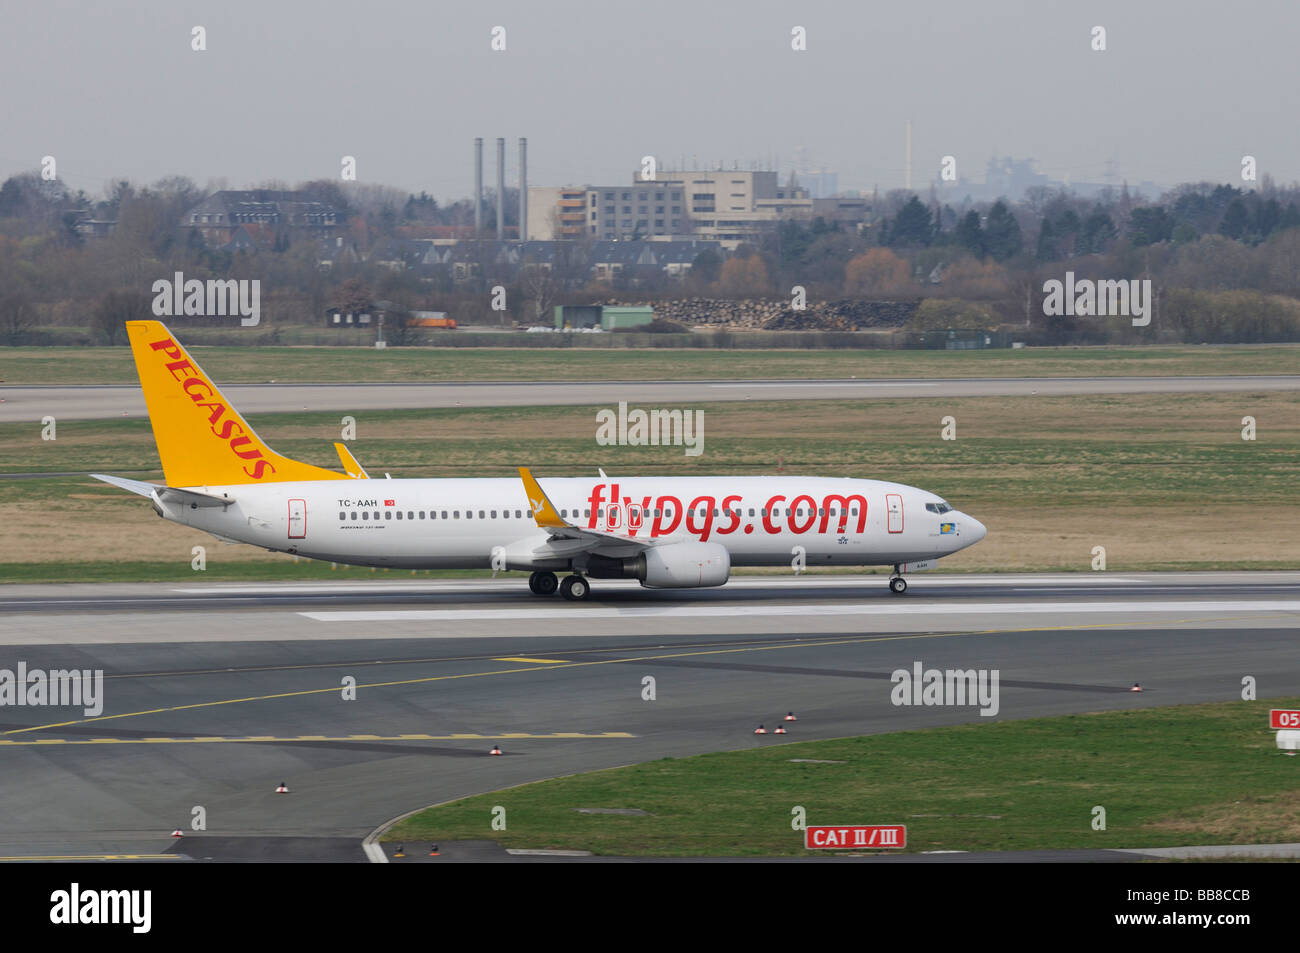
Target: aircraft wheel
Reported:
point(543, 583)
point(575, 588)
point(898, 585)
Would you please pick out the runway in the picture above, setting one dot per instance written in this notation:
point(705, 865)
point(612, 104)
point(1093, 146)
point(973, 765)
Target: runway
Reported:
point(27, 403)
point(214, 694)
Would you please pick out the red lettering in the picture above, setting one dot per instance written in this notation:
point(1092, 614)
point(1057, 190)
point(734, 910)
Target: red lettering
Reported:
point(180, 366)
point(247, 454)
point(202, 383)
point(259, 468)
point(768, 512)
point(662, 513)
point(597, 495)
point(734, 513)
point(818, 834)
point(168, 347)
point(228, 427)
point(701, 530)
point(215, 415)
point(843, 502)
point(794, 508)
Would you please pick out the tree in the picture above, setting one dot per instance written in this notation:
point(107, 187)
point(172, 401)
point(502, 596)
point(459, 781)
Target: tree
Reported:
point(1002, 232)
point(877, 273)
point(108, 321)
point(706, 266)
point(17, 315)
point(1097, 233)
point(352, 297)
point(969, 235)
point(1236, 220)
point(913, 227)
point(1148, 225)
point(741, 276)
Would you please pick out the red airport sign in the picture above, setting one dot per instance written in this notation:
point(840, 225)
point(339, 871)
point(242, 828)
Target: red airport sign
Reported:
point(1283, 718)
point(851, 836)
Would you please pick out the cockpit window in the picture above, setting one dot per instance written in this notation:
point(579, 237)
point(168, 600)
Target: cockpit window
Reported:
point(939, 507)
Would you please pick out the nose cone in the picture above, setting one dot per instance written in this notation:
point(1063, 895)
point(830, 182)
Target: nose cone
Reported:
point(972, 529)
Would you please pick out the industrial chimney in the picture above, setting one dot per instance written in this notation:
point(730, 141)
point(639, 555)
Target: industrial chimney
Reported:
point(478, 186)
point(501, 188)
point(523, 189)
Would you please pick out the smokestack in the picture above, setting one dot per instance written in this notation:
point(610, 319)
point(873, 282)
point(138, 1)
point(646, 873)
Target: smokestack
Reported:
point(501, 188)
point(478, 186)
point(907, 174)
point(523, 189)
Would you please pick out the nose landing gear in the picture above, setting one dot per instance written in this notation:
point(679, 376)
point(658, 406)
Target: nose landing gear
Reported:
point(897, 584)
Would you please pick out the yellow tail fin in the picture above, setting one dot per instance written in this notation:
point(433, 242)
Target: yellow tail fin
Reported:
point(202, 439)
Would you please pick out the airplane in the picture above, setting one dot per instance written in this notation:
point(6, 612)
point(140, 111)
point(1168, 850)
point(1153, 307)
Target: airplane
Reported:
point(665, 532)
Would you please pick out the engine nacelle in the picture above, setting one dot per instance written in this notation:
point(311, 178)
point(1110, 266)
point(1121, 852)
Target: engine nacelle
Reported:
point(686, 565)
point(675, 566)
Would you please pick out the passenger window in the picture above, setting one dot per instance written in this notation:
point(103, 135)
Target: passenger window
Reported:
point(399, 514)
point(444, 514)
point(494, 514)
point(421, 514)
point(365, 516)
point(354, 517)
point(480, 514)
point(411, 516)
point(342, 517)
point(529, 513)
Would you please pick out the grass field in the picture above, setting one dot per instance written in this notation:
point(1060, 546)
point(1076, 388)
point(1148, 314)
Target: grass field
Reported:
point(337, 364)
point(1162, 481)
point(1186, 775)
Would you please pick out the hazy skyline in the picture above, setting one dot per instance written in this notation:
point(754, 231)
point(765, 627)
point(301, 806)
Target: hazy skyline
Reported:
point(1182, 92)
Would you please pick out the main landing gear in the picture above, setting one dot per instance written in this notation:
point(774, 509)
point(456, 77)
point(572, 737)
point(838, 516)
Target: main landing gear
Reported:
point(897, 584)
point(543, 583)
point(575, 588)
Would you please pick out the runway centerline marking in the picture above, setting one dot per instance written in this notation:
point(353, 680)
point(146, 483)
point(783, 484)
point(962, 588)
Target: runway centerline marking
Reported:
point(797, 643)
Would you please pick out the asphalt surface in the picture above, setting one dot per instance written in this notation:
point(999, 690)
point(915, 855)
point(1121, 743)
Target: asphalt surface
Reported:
point(246, 692)
point(32, 402)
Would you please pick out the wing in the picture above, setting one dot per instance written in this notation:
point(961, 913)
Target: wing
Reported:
point(584, 540)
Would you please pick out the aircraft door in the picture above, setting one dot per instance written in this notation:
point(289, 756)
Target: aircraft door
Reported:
point(894, 507)
point(297, 519)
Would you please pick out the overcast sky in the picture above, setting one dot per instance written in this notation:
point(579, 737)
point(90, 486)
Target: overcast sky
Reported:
point(285, 89)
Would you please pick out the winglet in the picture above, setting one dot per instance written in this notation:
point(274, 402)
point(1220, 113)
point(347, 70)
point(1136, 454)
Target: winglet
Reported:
point(544, 511)
point(350, 465)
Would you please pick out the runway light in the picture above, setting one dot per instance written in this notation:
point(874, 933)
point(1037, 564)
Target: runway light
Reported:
point(433, 851)
point(1136, 687)
point(790, 717)
point(177, 833)
point(496, 749)
point(760, 730)
point(780, 730)
point(282, 789)
point(400, 852)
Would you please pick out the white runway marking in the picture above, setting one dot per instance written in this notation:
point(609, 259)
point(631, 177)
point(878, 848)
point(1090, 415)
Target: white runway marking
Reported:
point(874, 610)
point(755, 386)
point(743, 582)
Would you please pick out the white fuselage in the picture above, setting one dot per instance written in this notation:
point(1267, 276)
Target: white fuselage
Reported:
point(484, 523)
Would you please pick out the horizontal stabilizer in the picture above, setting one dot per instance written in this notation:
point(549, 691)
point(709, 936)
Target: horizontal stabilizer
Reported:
point(168, 494)
point(134, 486)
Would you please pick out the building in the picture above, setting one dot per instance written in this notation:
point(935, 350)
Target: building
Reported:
point(288, 215)
point(722, 206)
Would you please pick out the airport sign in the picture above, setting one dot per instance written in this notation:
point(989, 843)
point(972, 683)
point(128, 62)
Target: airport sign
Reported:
point(1283, 718)
point(847, 837)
